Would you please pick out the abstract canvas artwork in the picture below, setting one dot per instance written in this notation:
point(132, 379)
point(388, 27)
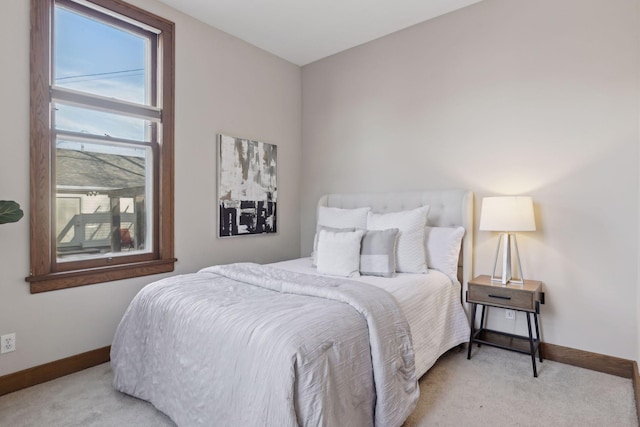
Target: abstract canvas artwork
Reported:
point(247, 188)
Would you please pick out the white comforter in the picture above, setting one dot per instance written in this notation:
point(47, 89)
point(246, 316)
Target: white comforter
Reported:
point(429, 302)
point(253, 345)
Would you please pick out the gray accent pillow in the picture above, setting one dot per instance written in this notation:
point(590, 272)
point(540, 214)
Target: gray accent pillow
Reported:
point(314, 254)
point(378, 252)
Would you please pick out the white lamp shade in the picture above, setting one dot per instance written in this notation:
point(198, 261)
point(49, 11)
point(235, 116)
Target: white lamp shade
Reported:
point(507, 213)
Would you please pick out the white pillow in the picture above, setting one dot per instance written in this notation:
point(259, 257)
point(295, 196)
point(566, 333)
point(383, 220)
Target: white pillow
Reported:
point(339, 218)
point(343, 218)
point(443, 249)
point(339, 253)
point(410, 254)
point(314, 254)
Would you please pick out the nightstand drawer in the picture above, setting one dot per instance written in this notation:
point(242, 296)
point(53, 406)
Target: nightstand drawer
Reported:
point(525, 297)
point(499, 296)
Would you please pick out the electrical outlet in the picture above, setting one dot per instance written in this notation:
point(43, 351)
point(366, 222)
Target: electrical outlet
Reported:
point(8, 343)
point(510, 314)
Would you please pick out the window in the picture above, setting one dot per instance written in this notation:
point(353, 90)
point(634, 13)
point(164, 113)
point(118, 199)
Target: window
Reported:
point(101, 143)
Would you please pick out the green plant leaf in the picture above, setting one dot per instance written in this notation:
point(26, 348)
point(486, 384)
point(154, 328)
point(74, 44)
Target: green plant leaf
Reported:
point(10, 212)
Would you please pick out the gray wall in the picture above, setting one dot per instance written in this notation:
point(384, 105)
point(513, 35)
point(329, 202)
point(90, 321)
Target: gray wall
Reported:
point(222, 85)
point(502, 97)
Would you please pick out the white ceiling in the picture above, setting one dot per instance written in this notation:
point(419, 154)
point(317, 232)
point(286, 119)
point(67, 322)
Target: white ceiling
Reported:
point(303, 31)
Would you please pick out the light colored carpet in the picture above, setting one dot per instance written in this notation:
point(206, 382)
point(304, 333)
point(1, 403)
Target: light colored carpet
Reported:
point(497, 388)
point(494, 388)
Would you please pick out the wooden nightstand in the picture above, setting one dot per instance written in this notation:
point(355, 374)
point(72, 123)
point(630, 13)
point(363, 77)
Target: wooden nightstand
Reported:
point(525, 297)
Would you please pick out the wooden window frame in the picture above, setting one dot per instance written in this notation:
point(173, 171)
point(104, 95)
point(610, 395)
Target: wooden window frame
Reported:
point(45, 273)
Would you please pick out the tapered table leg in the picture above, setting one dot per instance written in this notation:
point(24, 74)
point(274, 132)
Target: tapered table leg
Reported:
point(473, 324)
point(531, 346)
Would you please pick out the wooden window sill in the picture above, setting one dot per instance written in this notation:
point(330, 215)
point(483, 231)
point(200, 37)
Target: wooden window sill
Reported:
point(90, 276)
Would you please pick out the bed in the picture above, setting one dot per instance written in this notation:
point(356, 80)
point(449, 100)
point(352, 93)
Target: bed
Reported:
point(284, 345)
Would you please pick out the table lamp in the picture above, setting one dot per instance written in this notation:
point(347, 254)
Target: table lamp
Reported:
point(507, 214)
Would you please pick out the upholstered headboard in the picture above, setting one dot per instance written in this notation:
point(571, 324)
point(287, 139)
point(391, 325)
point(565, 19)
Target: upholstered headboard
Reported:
point(448, 208)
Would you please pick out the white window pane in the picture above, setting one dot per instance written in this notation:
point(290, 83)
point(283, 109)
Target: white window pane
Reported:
point(100, 59)
point(113, 185)
point(84, 120)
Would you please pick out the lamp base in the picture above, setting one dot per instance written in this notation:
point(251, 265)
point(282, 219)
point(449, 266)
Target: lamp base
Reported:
point(498, 279)
point(506, 240)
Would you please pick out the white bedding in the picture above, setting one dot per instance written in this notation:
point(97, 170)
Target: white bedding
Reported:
point(207, 349)
point(430, 303)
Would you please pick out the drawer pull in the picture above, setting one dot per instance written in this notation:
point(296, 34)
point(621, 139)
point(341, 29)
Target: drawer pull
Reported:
point(499, 297)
